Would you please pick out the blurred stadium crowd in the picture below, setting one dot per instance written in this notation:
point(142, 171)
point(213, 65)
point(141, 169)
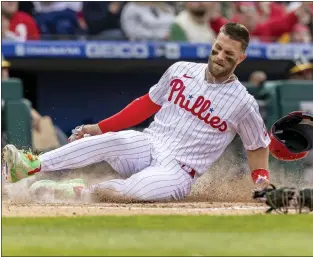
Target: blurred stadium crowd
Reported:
point(195, 22)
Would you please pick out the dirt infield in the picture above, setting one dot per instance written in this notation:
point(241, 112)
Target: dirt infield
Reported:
point(10, 209)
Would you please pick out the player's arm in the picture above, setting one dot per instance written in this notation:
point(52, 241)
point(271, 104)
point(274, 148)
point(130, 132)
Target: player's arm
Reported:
point(258, 164)
point(133, 114)
point(256, 140)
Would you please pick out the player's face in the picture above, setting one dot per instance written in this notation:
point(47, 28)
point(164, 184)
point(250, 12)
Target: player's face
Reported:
point(226, 54)
point(9, 8)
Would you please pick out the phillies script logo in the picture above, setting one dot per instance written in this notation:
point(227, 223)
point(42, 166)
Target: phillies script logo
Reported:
point(200, 104)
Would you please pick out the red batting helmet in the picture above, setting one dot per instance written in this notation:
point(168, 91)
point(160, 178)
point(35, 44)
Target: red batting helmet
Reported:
point(292, 136)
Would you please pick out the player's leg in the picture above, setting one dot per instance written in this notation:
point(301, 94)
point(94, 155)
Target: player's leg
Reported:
point(57, 190)
point(154, 183)
point(127, 151)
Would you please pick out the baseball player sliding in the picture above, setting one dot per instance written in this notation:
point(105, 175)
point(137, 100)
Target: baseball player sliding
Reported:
point(198, 107)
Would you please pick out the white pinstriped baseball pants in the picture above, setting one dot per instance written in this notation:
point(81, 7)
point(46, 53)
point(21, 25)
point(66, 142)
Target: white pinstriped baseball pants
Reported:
point(132, 155)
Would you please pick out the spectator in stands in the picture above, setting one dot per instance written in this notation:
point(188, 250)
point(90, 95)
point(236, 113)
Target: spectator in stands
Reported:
point(58, 19)
point(302, 31)
point(300, 34)
point(301, 69)
point(55, 6)
point(305, 14)
point(270, 10)
point(268, 31)
point(265, 10)
point(244, 11)
point(147, 20)
point(103, 19)
point(27, 7)
point(257, 78)
point(5, 65)
point(36, 117)
point(18, 26)
point(310, 24)
point(6, 34)
point(192, 25)
point(256, 82)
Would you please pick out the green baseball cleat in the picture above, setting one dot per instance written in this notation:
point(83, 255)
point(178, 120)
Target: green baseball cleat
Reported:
point(57, 190)
point(19, 164)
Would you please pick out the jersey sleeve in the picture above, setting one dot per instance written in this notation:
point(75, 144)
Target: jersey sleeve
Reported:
point(252, 130)
point(158, 91)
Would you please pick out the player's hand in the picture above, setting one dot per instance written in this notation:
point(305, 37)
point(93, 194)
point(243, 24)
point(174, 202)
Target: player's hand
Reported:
point(92, 129)
point(84, 131)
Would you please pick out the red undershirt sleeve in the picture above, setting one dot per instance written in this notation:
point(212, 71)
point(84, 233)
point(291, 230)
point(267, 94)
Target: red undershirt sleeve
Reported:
point(136, 112)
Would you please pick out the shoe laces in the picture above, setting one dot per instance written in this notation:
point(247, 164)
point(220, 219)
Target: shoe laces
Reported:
point(30, 156)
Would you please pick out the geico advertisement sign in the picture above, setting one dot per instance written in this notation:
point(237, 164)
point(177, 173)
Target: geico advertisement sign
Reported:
point(119, 50)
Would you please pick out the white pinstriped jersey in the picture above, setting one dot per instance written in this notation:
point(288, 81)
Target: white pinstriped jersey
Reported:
point(198, 119)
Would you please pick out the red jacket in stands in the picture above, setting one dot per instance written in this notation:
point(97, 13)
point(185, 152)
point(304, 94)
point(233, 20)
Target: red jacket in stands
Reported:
point(275, 10)
point(24, 26)
point(266, 32)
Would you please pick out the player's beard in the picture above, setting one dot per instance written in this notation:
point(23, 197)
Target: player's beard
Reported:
point(219, 71)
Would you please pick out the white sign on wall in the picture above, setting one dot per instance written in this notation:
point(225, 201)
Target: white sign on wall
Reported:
point(306, 106)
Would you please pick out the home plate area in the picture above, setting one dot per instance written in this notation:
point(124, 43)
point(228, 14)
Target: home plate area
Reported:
point(10, 209)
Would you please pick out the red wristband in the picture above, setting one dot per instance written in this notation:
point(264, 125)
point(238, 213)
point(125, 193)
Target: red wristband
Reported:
point(256, 174)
